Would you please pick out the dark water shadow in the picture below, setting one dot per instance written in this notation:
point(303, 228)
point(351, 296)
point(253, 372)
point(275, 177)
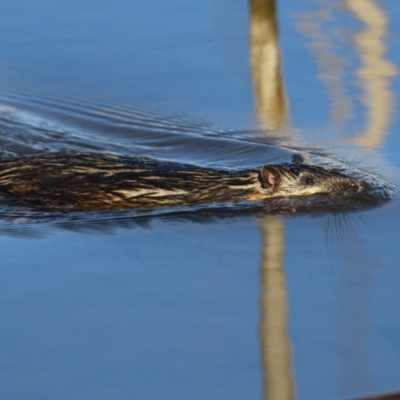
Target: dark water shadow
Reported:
point(22, 223)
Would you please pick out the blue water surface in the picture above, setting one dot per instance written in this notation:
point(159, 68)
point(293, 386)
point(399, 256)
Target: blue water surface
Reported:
point(170, 307)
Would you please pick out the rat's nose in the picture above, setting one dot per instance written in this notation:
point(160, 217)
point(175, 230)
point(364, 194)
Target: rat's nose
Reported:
point(355, 186)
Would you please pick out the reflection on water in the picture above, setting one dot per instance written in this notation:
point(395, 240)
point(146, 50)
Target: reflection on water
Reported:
point(271, 107)
point(331, 64)
point(375, 71)
point(265, 60)
point(274, 336)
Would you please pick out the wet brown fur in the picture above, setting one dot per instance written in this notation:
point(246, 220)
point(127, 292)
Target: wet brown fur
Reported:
point(91, 181)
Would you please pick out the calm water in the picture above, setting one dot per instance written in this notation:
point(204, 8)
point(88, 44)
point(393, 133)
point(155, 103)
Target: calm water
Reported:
point(212, 303)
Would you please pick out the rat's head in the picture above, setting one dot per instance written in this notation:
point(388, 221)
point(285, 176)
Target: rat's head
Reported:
point(299, 179)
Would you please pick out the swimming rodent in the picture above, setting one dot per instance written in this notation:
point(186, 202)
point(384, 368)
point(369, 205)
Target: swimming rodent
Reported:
point(92, 181)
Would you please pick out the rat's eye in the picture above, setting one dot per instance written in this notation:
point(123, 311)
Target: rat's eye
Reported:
point(308, 181)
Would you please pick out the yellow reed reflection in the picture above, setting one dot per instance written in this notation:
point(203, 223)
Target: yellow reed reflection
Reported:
point(271, 106)
point(275, 342)
point(375, 72)
point(331, 64)
point(265, 60)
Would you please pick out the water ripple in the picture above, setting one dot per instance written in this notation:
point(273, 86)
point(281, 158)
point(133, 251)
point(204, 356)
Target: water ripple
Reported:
point(32, 124)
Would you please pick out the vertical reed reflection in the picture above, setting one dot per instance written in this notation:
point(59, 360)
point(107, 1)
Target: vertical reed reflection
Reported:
point(265, 60)
point(275, 342)
point(271, 106)
point(329, 62)
point(375, 72)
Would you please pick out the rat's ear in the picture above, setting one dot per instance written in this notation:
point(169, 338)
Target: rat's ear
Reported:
point(269, 176)
point(297, 159)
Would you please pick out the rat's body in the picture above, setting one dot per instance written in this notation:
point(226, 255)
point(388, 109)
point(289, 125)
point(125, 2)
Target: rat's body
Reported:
point(91, 181)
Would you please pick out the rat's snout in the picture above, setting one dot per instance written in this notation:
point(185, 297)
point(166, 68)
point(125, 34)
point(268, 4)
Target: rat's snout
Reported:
point(355, 186)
